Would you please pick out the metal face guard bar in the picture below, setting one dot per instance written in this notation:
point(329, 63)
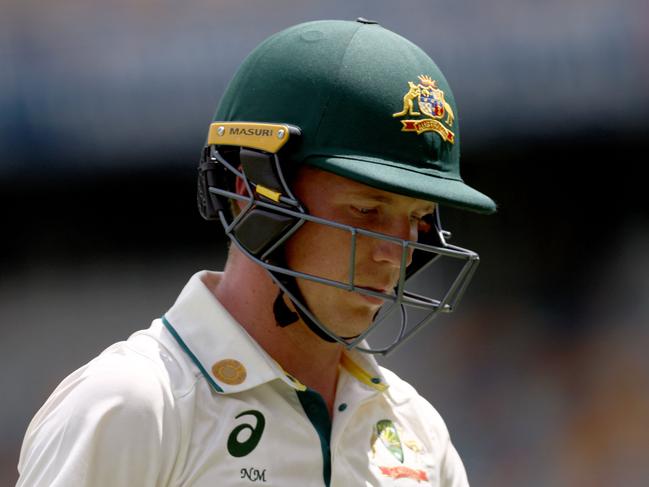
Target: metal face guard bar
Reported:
point(398, 299)
point(279, 200)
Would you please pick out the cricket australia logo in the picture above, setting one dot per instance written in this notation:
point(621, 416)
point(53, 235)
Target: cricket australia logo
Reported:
point(386, 446)
point(430, 102)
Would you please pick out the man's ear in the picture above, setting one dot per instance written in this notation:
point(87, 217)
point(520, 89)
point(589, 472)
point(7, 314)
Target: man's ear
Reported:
point(241, 189)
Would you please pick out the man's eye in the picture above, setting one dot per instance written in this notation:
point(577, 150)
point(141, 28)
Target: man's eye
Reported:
point(362, 210)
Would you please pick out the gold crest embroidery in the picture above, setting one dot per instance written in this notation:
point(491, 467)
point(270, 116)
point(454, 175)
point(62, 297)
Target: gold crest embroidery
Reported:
point(431, 103)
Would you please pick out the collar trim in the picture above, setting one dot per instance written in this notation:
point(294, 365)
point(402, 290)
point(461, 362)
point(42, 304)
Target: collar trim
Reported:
point(186, 349)
point(292, 380)
point(360, 374)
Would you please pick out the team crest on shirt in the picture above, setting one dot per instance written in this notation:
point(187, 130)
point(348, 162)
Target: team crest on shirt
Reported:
point(387, 453)
point(427, 99)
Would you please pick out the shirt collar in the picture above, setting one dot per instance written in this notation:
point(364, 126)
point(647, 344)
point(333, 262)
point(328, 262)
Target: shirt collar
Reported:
point(228, 357)
point(364, 370)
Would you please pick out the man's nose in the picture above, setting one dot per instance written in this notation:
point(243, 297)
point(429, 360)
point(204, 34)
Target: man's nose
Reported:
point(390, 251)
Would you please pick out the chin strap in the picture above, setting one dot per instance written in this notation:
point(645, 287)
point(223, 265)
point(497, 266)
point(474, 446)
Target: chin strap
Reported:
point(284, 316)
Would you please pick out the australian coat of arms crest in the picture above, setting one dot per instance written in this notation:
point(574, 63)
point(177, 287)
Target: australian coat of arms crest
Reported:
point(426, 98)
point(387, 452)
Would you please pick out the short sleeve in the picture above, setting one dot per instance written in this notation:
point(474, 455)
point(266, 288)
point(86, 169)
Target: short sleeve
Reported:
point(106, 425)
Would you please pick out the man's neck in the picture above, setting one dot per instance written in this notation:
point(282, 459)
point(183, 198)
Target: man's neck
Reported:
point(248, 293)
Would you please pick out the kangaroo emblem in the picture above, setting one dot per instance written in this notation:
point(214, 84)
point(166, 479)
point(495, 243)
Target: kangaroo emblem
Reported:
point(408, 98)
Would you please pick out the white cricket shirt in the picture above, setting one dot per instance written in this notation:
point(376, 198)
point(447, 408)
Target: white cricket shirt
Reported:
point(195, 401)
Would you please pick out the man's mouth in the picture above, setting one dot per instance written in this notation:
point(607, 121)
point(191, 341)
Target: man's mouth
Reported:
point(381, 288)
point(375, 300)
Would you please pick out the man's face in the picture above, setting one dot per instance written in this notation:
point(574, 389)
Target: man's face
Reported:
point(325, 251)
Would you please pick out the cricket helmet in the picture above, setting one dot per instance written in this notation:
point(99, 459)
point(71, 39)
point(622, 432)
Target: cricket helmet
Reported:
point(354, 99)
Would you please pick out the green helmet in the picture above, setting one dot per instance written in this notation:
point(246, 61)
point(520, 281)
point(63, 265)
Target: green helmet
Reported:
point(352, 98)
point(371, 105)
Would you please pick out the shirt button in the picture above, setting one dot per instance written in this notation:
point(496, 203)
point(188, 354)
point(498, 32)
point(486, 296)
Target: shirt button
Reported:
point(342, 407)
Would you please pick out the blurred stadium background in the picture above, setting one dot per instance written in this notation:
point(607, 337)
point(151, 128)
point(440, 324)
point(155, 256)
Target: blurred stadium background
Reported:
point(542, 374)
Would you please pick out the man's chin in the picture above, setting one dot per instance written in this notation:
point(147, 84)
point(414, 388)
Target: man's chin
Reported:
point(355, 313)
point(354, 324)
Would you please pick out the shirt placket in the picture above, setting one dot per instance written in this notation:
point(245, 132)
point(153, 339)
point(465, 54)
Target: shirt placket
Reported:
point(350, 397)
